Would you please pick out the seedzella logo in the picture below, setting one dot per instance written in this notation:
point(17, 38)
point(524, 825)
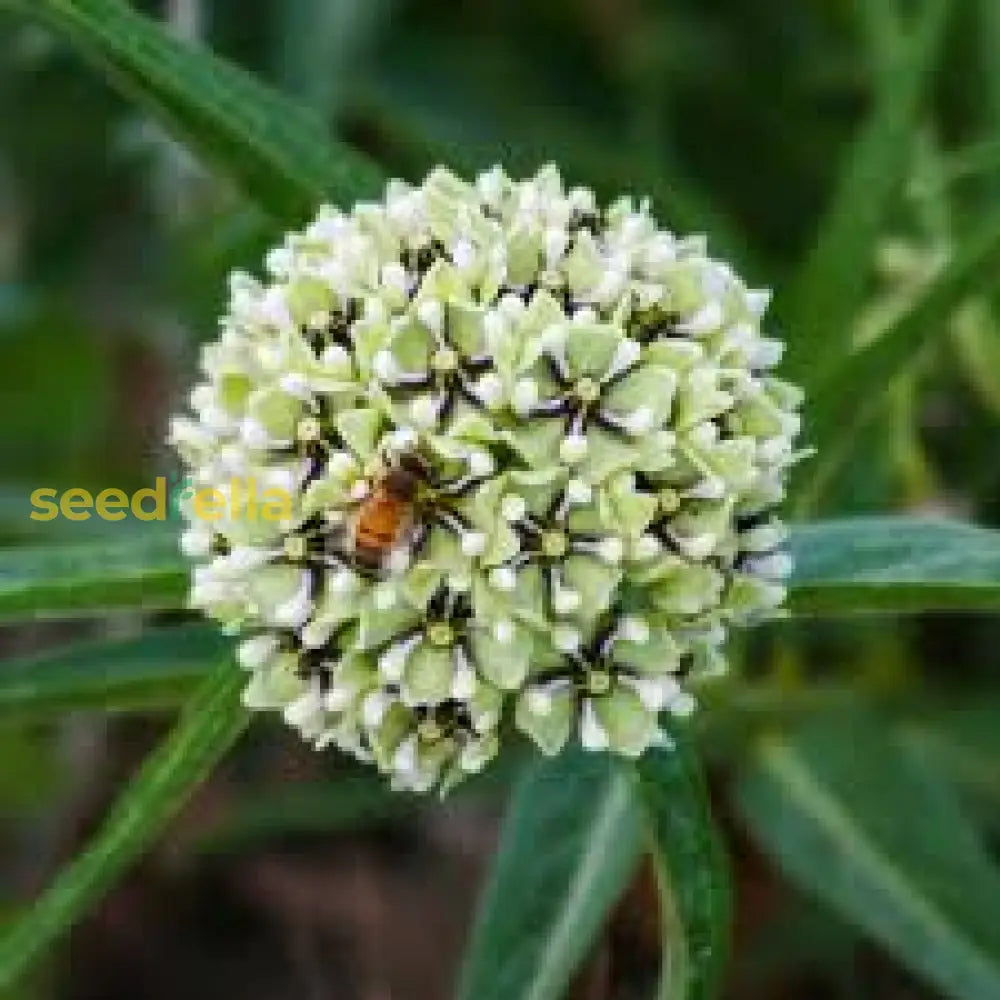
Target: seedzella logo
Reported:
point(239, 499)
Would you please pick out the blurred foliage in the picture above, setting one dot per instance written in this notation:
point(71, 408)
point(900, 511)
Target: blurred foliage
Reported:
point(845, 153)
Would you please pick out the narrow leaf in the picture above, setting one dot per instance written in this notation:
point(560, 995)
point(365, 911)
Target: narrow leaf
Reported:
point(881, 563)
point(275, 150)
point(208, 727)
point(879, 25)
point(853, 390)
point(988, 32)
point(139, 571)
point(321, 46)
point(976, 336)
point(157, 670)
point(964, 742)
point(856, 820)
point(569, 844)
point(894, 564)
point(831, 285)
point(692, 871)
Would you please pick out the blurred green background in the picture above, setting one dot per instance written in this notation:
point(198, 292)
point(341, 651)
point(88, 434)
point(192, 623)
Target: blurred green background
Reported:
point(735, 118)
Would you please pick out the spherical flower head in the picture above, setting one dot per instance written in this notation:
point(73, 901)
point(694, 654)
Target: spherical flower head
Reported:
point(485, 456)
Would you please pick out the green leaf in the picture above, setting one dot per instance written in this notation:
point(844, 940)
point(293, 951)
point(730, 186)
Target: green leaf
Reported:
point(988, 36)
point(977, 350)
point(894, 564)
point(854, 389)
point(887, 564)
point(157, 670)
point(691, 869)
point(569, 844)
point(209, 725)
point(879, 25)
point(276, 151)
point(322, 45)
point(144, 570)
point(855, 564)
point(856, 820)
point(831, 284)
point(965, 163)
point(964, 743)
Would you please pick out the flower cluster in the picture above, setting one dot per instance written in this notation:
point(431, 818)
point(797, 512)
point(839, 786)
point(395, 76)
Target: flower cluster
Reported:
point(530, 448)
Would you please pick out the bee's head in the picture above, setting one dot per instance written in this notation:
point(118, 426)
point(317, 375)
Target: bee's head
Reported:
point(412, 464)
point(401, 483)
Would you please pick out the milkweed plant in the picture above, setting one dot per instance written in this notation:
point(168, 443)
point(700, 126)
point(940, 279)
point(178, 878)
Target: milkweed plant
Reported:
point(484, 464)
point(599, 442)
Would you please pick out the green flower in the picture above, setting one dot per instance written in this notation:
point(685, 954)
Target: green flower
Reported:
point(529, 449)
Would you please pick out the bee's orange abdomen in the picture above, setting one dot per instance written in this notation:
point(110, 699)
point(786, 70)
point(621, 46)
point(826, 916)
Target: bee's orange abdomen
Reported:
point(370, 535)
point(380, 522)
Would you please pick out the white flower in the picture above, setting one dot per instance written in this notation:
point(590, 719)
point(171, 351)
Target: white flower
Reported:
point(481, 451)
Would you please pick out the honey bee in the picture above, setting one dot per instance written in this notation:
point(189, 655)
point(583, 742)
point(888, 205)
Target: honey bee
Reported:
point(386, 519)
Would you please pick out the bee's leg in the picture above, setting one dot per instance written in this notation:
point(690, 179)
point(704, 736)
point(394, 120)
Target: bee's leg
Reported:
point(368, 564)
point(331, 540)
point(336, 557)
